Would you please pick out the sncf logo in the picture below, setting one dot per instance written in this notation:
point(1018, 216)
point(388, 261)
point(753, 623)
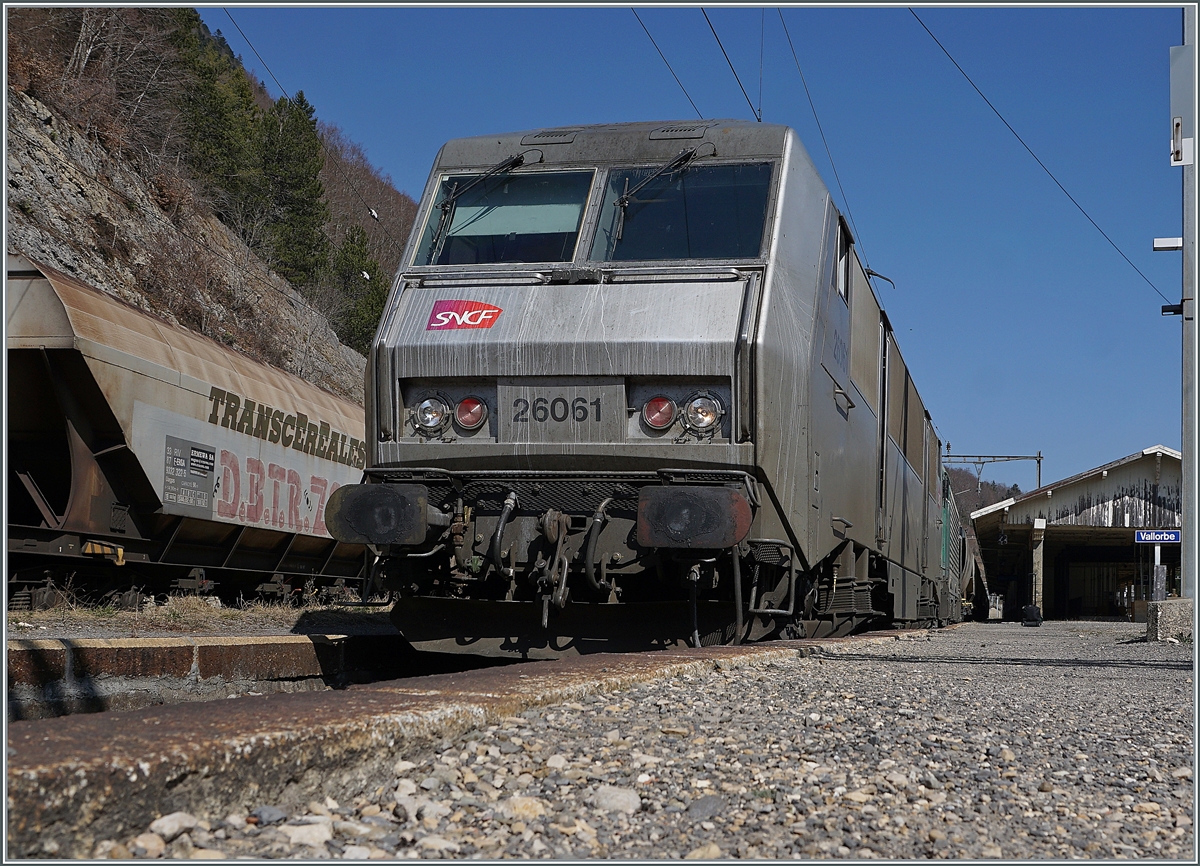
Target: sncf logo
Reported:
point(451, 315)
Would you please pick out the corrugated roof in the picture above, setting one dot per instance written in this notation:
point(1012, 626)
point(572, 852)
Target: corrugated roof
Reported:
point(1041, 491)
point(1137, 455)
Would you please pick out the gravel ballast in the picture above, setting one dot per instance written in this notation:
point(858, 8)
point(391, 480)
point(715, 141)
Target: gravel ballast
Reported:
point(980, 741)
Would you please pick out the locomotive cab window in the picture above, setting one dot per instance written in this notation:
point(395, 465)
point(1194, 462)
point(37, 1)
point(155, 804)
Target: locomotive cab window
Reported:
point(507, 218)
point(700, 212)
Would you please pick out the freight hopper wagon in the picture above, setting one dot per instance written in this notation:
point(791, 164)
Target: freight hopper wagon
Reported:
point(142, 456)
point(633, 387)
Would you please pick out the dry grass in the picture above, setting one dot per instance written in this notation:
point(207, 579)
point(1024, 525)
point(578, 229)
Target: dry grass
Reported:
point(193, 615)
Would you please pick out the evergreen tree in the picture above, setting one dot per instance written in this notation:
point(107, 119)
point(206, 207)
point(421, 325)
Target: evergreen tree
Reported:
point(291, 158)
point(365, 296)
point(222, 125)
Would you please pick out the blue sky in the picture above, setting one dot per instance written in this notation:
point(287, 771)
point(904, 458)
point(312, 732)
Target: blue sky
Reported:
point(1023, 328)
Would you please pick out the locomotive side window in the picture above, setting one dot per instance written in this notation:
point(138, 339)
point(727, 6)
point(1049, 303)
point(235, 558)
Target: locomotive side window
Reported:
point(701, 212)
point(842, 276)
point(508, 218)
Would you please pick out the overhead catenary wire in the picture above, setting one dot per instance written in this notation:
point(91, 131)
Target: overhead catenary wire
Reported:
point(753, 111)
point(825, 141)
point(1017, 135)
point(762, 44)
point(664, 60)
point(336, 163)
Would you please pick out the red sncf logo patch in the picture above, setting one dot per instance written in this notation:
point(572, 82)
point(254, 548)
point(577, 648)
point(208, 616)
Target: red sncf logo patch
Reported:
point(452, 315)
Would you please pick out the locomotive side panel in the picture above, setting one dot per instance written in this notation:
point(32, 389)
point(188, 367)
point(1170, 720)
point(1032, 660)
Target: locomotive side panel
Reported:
point(904, 508)
point(783, 356)
point(846, 426)
point(934, 559)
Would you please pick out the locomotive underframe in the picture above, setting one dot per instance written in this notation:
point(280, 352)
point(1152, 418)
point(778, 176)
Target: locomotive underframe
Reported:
point(534, 564)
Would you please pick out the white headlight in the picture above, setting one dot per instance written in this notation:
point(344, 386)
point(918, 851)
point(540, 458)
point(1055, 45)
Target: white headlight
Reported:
point(703, 413)
point(431, 413)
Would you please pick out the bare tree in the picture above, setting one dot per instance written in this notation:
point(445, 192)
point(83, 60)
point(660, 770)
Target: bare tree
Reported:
point(354, 188)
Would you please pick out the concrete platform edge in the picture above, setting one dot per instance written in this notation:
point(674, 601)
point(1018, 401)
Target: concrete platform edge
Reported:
point(62, 801)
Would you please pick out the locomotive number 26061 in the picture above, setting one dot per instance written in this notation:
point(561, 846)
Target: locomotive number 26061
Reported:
point(580, 409)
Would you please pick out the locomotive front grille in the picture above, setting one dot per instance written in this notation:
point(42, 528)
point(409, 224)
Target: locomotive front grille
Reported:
point(569, 497)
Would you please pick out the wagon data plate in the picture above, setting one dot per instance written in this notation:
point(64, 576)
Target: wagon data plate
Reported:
point(561, 409)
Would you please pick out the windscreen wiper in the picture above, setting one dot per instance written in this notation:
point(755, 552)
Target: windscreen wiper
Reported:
point(679, 162)
point(450, 202)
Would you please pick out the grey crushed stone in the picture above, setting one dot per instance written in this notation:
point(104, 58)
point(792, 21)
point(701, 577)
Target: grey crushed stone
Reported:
point(989, 740)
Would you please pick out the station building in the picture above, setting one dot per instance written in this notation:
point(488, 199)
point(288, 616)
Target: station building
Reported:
point(1070, 547)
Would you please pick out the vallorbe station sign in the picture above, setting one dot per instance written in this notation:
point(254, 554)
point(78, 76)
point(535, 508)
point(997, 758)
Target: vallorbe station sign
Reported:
point(1158, 536)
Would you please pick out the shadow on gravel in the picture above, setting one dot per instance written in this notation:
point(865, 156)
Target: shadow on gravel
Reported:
point(351, 621)
point(375, 651)
point(1013, 662)
point(377, 658)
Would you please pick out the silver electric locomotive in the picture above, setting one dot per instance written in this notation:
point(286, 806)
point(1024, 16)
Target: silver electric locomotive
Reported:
point(632, 388)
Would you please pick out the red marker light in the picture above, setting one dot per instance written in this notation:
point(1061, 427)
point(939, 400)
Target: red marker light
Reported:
point(470, 413)
point(659, 412)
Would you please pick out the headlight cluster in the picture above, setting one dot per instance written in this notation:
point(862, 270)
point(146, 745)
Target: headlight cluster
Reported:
point(701, 413)
point(433, 415)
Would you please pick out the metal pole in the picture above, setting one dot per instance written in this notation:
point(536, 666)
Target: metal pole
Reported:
point(1190, 354)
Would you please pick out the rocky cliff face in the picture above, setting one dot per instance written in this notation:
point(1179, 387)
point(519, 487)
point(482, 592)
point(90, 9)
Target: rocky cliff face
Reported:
point(94, 214)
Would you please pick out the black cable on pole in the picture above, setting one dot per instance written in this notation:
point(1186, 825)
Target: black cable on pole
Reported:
point(757, 116)
point(337, 164)
point(664, 60)
point(825, 141)
point(1035, 157)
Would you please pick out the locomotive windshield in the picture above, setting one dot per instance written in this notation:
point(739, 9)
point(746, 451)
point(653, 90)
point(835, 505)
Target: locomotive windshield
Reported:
point(701, 212)
point(522, 218)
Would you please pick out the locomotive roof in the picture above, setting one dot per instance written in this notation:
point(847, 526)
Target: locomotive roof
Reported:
point(619, 142)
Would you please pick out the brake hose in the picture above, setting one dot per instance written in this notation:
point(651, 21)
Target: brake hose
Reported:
point(510, 503)
point(589, 557)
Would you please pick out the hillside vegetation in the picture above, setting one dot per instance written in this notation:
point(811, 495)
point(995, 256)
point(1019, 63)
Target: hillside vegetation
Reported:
point(971, 493)
point(144, 159)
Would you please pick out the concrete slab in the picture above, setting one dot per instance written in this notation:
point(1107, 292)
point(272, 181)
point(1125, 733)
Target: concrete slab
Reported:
point(1170, 619)
point(34, 662)
point(131, 657)
point(272, 658)
point(38, 662)
point(64, 676)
